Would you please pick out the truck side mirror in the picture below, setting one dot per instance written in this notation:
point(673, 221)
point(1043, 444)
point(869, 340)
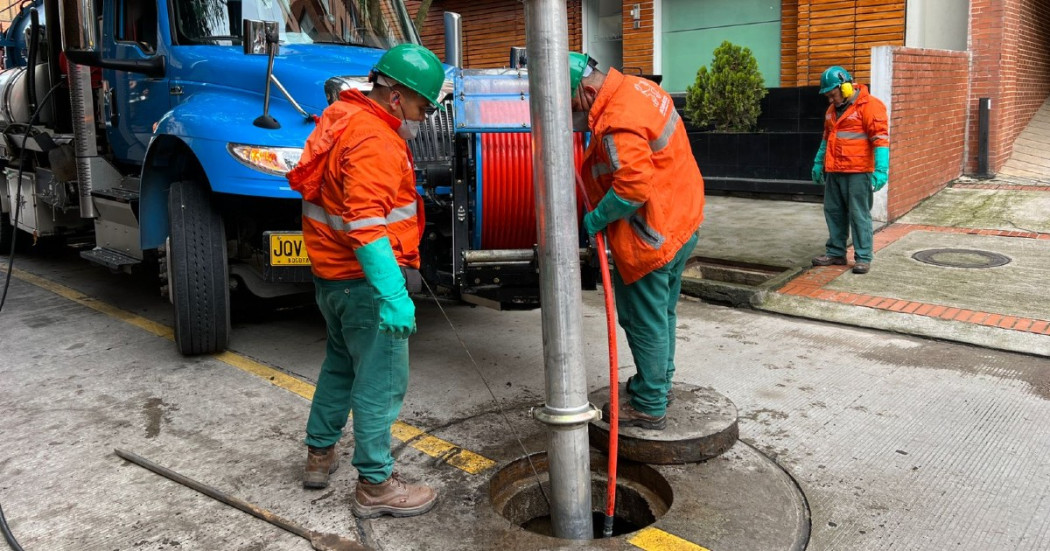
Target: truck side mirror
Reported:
point(259, 35)
point(80, 41)
point(262, 38)
point(79, 34)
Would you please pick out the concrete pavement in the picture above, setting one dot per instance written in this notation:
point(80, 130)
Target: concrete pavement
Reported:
point(932, 272)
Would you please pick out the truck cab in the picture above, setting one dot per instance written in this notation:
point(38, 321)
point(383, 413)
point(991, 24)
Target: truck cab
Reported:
point(157, 133)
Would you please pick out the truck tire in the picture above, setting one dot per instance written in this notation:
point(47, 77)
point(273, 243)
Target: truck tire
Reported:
point(199, 286)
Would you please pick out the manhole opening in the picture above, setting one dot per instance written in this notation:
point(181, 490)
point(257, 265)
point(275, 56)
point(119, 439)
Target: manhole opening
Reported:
point(962, 258)
point(642, 495)
point(741, 273)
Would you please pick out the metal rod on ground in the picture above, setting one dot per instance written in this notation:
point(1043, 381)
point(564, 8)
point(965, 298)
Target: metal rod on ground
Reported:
point(319, 541)
point(566, 411)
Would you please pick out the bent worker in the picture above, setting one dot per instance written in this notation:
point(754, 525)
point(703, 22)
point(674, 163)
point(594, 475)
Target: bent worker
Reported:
point(362, 223)
point(853, 162)
point(640, 174)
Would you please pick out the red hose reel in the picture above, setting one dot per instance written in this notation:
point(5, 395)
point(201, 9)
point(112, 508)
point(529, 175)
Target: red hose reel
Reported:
point(508, 206)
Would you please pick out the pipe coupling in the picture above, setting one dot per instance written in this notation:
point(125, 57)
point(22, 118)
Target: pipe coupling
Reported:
point(566, 418)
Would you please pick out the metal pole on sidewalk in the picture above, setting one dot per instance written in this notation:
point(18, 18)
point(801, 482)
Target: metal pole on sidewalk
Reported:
point(567, 410)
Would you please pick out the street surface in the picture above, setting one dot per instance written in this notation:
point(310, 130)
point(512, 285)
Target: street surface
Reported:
point(897, 442)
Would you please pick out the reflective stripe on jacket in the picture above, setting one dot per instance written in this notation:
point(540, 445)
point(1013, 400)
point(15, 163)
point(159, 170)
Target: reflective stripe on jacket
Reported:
point(358, 185)
point(853, 137)
point(640, 149)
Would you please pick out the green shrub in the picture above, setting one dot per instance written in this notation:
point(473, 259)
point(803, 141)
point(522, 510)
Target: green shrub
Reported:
point(727, 96)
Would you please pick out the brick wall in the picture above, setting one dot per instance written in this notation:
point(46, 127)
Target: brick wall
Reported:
point(490, 28)
point(1010, 41)
point(927, 145)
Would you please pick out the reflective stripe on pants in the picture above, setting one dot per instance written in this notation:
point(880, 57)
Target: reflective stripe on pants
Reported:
point(364, 370)
point(847, 208)
point(647, 310)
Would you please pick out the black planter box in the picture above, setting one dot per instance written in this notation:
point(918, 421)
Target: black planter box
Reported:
point(777, 158)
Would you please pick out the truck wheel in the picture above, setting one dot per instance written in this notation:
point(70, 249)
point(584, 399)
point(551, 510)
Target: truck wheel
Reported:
point(196, 256)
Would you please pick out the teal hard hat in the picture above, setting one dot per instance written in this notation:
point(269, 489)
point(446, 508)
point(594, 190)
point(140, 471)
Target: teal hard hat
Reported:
point(580, 65)
point(832, 78)
point(416, 68)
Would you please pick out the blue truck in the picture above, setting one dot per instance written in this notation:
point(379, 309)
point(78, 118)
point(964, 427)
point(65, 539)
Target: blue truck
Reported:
point(157, 133)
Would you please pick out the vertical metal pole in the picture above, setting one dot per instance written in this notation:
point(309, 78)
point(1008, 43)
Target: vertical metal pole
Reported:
point(984, 108)
point(566, 411)
point(453, 39)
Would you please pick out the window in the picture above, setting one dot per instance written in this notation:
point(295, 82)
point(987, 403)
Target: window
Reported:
point(137, 22)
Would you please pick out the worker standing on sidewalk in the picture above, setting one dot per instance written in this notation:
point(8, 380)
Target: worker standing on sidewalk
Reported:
point(362, 222)
point(640, 174)
point(853, 161)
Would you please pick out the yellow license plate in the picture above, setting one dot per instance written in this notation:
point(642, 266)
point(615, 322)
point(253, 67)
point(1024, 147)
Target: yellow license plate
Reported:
point(288, 249)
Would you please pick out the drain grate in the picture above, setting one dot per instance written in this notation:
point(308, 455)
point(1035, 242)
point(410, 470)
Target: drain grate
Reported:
point(961, 258)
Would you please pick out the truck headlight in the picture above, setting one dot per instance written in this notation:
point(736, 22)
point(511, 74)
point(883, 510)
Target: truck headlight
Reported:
point(271, 160)
point(335, 85)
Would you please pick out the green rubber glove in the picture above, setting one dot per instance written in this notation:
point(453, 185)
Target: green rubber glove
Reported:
point(882, 168)
point(818, 163)
point(397, 313)
point(609, 209)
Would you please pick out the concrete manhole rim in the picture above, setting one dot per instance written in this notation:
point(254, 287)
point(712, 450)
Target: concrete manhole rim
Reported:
point(991, 259)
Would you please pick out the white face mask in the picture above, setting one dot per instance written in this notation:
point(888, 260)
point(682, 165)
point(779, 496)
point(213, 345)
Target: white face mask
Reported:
point(408, 130)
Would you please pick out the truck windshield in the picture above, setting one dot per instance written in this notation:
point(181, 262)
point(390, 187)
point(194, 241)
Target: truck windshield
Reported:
point(373, 23)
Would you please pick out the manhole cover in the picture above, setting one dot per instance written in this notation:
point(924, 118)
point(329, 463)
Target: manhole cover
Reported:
point(961, 258)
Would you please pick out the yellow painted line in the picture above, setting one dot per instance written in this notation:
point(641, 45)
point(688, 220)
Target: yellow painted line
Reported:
point(157, 329)
point(431, 445)
point(654, 539)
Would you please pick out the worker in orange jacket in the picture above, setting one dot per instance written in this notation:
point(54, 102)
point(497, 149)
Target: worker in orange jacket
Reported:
point(362, 222)
point(648, 193)
point(853, 162)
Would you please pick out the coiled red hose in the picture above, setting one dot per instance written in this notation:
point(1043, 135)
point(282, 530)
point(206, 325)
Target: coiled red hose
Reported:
point(508, 205)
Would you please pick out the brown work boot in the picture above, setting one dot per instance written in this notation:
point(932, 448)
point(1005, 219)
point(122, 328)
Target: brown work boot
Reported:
point(393, 497)
point(670, 391)
point(861, 268)
point(320, 462)
point(630, 417)
point(825, 260)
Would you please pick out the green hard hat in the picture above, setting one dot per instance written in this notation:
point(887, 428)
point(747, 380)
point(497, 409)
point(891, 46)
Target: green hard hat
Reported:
point(832, 78)
point(415, 67)
point(578, 64)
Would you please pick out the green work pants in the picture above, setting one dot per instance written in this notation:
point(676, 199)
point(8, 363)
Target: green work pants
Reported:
point(364, 370)
point(647, 311)
point(847, 207)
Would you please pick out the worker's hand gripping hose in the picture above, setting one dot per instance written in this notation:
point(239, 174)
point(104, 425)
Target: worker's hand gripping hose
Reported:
point(614, 379)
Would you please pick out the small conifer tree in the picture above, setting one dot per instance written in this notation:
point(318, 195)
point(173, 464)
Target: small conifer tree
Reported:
point(727, 96)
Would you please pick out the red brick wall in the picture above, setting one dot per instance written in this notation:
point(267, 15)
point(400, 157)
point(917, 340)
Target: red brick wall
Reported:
point(489, 28)
point(927, 143)
point(1010, 41)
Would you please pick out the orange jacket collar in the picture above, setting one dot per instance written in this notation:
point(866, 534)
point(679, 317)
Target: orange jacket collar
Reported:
point(613, 80)
point(368, 104)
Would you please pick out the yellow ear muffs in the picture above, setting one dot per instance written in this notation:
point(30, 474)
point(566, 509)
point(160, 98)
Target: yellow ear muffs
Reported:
point(847, 89)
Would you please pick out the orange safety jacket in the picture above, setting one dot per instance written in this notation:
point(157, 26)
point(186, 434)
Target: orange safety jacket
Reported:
point(853, 137)
point(639, 148)
point(358, 185)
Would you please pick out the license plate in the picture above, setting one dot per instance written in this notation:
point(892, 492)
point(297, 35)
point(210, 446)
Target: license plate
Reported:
point(288, 249)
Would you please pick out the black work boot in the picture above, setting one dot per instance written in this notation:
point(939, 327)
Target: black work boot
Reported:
point(393, 497)
point(861, 267)
point(320, 462)
point(630, 417)
point(825, 260)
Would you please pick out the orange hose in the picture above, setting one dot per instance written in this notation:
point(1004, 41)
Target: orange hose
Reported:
point(614, 378)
